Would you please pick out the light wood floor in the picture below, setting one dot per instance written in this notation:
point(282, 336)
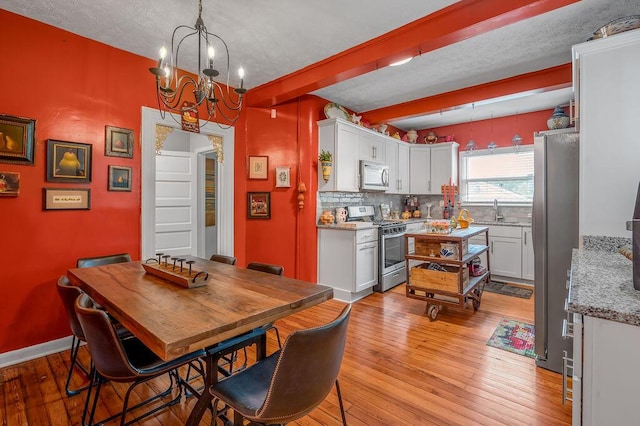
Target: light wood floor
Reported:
point(399, 369)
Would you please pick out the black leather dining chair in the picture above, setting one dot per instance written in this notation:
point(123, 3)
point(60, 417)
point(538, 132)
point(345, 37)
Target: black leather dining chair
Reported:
point(229, 260)
point(269, 269)
point(68, 295)
point(290, 383)
point(126, 361)
point(87, 262)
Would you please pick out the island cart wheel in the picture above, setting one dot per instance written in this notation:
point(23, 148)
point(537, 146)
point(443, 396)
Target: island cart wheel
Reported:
point(476, 299)
point(432, 312)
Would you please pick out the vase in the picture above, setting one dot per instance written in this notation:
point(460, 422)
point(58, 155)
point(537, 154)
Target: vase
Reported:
point(412, 136)
point(559, 120)
point(326, 170)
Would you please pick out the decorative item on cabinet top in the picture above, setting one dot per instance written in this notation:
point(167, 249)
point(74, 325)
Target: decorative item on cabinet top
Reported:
point(617, 26)
point(559, 120)
point(332, 110)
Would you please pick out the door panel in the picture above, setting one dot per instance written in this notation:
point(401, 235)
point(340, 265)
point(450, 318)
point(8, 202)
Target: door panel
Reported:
point(176, 203)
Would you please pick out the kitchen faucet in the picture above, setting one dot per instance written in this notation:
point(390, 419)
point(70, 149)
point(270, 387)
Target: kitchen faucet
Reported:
point(498, 216)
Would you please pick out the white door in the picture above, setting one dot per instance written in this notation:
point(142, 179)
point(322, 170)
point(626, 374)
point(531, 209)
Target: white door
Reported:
point(176, 203)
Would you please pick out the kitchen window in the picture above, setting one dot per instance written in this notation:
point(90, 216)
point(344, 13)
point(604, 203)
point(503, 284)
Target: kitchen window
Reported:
point(503, 175)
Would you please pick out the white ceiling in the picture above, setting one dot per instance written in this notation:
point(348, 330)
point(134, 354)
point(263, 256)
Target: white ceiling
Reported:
point(273, 39)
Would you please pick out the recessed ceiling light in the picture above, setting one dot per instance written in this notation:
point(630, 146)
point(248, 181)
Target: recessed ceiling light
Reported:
point(401, 62)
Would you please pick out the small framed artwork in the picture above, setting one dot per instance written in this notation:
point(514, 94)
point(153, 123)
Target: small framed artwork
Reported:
point(68, 161)
point(9, 184)
point(118, 142)
point(258, 167)
point(17, 137)
point(259, 205)
point(120, 178)
point(283, 177)
point(66, 198)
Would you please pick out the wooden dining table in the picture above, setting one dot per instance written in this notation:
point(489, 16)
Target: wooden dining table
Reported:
point(173, 320)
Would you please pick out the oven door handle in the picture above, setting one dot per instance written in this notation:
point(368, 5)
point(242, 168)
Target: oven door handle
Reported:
point(399, 234)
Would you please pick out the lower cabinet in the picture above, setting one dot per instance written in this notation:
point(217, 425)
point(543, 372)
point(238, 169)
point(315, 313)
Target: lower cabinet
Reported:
point(511, 250)
point(506, 256)
point(606, 383)
point(348, 261)
point(528, 259)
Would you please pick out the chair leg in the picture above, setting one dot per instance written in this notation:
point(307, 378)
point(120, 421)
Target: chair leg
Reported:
point(96, 381)
point(344, 417)
point(75, 363)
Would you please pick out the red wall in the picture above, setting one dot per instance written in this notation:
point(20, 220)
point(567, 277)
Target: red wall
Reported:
point(72, 87)
point(503, 129)
point(289, 236)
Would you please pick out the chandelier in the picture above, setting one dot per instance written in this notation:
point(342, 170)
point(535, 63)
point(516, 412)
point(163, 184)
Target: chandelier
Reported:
point(181, 93)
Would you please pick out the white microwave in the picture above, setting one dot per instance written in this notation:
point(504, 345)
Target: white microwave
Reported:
point(373, 176)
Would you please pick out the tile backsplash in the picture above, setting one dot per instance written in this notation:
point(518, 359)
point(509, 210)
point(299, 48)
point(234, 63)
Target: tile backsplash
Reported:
point(333, 200)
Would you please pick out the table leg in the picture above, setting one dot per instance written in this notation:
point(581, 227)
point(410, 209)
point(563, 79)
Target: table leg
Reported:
point(211, 377)
point(205, 397)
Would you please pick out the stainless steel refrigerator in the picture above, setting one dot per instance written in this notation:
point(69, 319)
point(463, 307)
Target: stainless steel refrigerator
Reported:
point(555, 234)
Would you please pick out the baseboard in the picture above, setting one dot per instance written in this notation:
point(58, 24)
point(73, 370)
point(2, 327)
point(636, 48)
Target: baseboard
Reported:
point(36, 351)
point(347, 296)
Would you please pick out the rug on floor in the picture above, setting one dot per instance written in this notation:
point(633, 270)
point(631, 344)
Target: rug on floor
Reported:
point(508, 289)
point(514, 336)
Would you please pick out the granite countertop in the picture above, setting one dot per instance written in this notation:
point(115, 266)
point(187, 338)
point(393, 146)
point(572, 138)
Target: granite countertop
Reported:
point(602, 286)
point(501, 223)
point(348, 226)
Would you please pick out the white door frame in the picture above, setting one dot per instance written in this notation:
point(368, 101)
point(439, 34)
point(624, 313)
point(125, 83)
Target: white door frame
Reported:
point(225, 182)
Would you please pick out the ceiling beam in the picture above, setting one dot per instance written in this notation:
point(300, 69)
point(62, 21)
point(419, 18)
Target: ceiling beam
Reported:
point(543, 80)
point(460, 21)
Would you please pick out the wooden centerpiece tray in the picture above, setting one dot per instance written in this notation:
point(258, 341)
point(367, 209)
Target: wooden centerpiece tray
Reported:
point(177, 272)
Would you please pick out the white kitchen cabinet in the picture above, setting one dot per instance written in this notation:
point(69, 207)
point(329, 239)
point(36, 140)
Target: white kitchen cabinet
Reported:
point(420, 170)
point(403, 168)
point(528, 260)
point(505, 246)
point(606, 88)
point(348, 261)
point(371, 146)
point(444, 165)
point(397, 158)
point(431, 166)
point(605, 382)
point(507, 251)
point(342, 140)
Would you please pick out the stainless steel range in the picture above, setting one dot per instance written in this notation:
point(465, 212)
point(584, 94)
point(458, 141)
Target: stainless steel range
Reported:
point(392, 266)
point(391, 247)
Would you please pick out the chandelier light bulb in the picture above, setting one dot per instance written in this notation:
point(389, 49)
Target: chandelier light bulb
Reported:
point(163, 52)
point(211, 52)
point(241, 73)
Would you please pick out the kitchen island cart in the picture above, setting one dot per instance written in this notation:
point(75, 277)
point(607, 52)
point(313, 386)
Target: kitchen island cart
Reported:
point(442, 270)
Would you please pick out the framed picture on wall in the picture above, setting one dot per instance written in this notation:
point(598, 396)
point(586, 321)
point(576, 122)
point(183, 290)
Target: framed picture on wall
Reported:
point(118, 142)
point(17, 137)
point(9, 184)
point(258, 167)
point(66, 198)
point(283, 177)
point(68, 161)
point(120, 178)
point(258, 205)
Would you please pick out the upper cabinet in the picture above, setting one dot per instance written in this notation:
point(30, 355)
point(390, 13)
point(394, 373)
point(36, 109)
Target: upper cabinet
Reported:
point(413, 169)
point(340, 139)
point(372, 146)
point(609, 107)
point(431, 166)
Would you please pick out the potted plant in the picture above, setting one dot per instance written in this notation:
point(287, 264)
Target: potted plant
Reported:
point(326, 161)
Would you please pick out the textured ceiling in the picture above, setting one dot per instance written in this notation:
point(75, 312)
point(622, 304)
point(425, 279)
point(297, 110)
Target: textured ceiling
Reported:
point(273, 39)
